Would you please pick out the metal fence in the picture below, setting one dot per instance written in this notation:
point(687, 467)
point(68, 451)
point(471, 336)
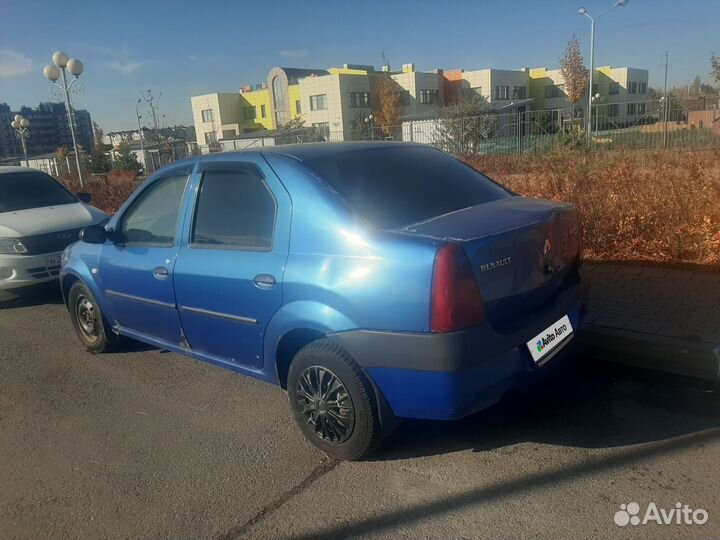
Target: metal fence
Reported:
point(646, 124)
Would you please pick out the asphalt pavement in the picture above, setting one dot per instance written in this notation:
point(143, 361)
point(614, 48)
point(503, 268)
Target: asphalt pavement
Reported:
point(149, 444)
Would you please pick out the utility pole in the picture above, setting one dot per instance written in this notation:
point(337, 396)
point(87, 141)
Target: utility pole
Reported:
point(666, 104)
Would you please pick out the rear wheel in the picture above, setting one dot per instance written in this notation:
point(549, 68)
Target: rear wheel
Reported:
point(88, 320)
point(333, 402)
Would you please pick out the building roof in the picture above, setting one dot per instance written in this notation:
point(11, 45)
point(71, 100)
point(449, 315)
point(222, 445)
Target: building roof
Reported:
point(299, 73)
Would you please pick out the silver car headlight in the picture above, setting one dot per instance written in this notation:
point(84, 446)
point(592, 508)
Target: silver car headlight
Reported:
point(11, 246)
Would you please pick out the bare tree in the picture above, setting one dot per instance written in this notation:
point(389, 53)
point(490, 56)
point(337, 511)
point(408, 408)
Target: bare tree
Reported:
point(574, 72)
point(715, 63)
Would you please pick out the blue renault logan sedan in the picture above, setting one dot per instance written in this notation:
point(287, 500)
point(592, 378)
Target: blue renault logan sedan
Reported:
point(372, 281)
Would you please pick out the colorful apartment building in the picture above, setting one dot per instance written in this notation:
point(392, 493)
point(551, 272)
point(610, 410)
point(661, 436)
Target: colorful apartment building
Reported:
point(333, 100)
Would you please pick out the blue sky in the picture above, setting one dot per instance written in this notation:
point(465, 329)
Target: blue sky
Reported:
point(182, 48)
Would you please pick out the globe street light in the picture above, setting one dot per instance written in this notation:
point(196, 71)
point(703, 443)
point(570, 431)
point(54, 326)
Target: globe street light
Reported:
point(142, 146)
point(57, 71)
point(596, 99)
point(21, 126)
point(583, 11)
point(369, 121)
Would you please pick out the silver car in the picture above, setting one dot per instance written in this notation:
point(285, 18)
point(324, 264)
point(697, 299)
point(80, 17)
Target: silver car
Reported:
point(39, 218)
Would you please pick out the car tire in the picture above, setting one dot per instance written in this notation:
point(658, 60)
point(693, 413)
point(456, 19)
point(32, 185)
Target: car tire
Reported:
point(343, 421)
point(88, 321)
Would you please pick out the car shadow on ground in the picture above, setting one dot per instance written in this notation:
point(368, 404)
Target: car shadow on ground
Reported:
point(37, 295)
point(590, 404)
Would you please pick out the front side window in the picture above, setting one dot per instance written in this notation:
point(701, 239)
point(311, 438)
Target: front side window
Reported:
point(152, 217)
point(207, 115)
point(31, 189)
point(318, 103)
point(235, 210)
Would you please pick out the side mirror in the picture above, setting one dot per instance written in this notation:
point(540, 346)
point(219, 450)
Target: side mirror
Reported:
point(95, 234)
point(84, 197)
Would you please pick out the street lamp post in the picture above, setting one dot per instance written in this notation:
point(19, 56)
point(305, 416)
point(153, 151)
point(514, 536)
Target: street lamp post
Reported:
point(21, 126)
point(62, 63)
point(369, 121)
point(142, 146)
point(584, 11)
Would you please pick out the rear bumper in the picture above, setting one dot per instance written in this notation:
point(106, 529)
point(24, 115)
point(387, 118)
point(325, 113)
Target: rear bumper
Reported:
point(446, 376)
point(24, 270)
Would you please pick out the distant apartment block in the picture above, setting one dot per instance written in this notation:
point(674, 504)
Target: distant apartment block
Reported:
point(333, 100)
point(49, 130)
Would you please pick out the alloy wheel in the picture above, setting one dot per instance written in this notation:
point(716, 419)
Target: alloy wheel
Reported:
point(325, 404)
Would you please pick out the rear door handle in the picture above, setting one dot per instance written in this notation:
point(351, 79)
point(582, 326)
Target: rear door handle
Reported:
point(264, 281)
point(161, 272)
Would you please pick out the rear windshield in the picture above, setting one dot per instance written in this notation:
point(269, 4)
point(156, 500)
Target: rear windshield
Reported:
point(31, 189)
point(401, 185)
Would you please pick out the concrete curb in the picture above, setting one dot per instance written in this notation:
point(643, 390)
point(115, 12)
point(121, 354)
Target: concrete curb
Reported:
point(650, 351)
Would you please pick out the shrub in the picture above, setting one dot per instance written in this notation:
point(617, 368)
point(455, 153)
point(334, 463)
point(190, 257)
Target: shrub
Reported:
point(642, 205)
point(109, 191)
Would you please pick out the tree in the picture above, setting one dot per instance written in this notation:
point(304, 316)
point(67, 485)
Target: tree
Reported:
point(465, 124)
point(574, 72)
point(715, 63)
point(360, 128)
point(294, 123)
point(125, 160)
point(389, 104)
point(98, 161)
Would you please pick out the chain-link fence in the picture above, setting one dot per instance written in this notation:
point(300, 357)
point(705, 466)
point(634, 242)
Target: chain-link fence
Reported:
point(646, 124)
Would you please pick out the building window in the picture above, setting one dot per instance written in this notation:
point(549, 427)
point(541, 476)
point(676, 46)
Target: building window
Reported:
point(318, 103)
point(641, 108)
point(323, 128)
point(502, 92)
point(632, 87)
point(249, 113)
point(631, 109)
point(614, 88)
point(642, 88)
point(298, 107)
point(262, 111)
point(554, 91)
point(359, 99)
point(519, 92)
point(207, 115)
point(210, 137)
point(613, 110)
point(428, 97)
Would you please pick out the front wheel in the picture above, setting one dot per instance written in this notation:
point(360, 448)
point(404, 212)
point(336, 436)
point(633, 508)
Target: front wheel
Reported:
point(333, 402)
point(88, 320)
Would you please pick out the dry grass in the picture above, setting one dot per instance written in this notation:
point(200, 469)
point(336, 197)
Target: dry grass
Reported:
point(109, 191)
point(642, 205)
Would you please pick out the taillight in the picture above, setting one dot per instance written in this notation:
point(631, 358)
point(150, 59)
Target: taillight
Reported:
point(455, 302)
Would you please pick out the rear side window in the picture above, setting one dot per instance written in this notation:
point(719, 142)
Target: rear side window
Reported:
point(152, 217)
point(235, 210)
point(394, 186)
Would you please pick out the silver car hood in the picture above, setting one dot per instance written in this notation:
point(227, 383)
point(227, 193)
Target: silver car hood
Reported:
point(48, 219)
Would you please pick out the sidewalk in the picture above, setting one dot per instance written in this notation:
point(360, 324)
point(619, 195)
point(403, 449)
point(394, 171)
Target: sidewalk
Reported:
point(656, 318)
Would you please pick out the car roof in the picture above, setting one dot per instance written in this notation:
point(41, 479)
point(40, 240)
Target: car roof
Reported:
point(307, 151)
point(16, 168)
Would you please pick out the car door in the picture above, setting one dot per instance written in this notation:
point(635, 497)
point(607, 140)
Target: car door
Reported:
point(135, 269)
point(228, 275)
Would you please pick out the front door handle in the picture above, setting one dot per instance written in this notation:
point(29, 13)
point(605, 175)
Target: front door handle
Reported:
point(161, 272)
point(264, 281)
